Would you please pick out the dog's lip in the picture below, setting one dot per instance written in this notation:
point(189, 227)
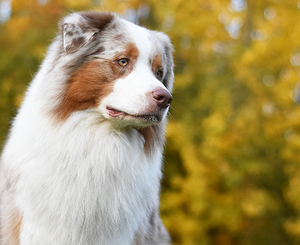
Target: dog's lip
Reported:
point(114, 112)
point(150, 116)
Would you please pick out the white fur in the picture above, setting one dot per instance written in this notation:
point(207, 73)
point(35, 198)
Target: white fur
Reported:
point(84, 181)
point(49, 183)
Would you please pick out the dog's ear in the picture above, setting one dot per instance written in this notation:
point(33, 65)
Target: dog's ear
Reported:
point(75, 37)
point(79, 29)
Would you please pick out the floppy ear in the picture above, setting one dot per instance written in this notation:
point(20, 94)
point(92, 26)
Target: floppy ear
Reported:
point(79, 29)
point(75, 38)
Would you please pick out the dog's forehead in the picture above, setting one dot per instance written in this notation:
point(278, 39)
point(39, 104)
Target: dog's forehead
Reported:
point(141, 37)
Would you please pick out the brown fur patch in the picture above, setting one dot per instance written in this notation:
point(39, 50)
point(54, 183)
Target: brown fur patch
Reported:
point(157, 67)
point(150, 136)
point(93, 81)
point(97, 20)
point(157, 63)
point(85, 89)
point(131, 52)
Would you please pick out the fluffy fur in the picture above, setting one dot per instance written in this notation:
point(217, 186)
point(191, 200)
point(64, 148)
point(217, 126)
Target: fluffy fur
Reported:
point(82, 164)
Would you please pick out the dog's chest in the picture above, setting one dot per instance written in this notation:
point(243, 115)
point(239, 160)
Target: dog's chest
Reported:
point(89, 189)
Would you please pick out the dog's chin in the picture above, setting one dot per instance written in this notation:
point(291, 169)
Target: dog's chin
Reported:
point(140, 119)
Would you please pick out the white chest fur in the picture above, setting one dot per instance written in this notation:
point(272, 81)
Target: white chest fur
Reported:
point(92, 185)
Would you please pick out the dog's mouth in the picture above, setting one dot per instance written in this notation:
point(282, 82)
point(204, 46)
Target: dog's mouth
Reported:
point(149, 117)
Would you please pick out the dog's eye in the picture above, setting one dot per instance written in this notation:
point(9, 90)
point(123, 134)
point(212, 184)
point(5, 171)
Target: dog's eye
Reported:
point(159, 74)
point(123, 62)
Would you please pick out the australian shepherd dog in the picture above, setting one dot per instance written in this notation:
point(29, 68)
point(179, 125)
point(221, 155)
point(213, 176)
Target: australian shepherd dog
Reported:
point(82, 163)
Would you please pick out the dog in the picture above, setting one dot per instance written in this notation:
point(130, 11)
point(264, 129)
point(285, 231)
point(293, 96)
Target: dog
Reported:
point(82, 162)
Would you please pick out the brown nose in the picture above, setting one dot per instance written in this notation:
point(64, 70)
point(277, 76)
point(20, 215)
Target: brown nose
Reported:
point(162, 97)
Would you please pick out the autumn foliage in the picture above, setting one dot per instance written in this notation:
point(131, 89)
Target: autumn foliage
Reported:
point(232, 161)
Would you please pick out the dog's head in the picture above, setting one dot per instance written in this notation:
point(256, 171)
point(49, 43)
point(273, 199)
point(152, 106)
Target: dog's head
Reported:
point(118, 69)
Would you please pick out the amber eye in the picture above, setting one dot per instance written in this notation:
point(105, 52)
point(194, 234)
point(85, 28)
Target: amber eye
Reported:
point(159, 74)
point(123, 62)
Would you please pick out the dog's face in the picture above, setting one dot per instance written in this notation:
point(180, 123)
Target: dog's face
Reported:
point(120, 70)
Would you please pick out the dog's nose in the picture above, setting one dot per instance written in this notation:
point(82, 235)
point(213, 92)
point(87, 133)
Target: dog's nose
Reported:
point(162, 97)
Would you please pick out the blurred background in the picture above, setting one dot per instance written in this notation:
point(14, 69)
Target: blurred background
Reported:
point(232, 161)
